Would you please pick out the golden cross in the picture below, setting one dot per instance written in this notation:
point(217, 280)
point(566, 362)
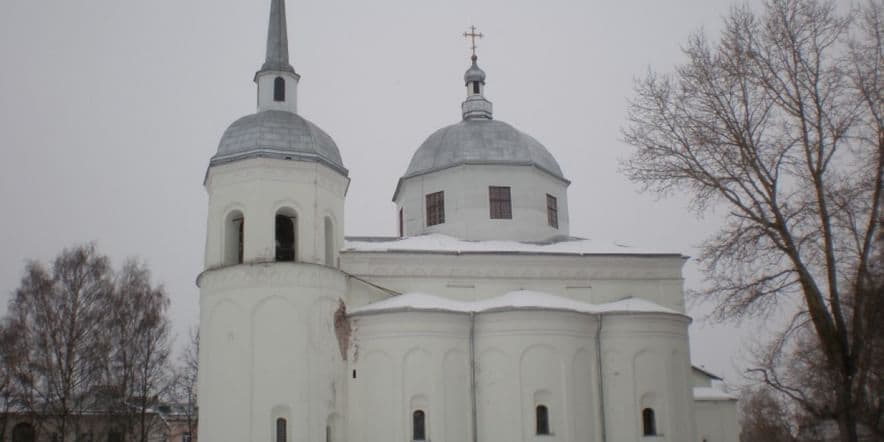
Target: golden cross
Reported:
point(472, 36)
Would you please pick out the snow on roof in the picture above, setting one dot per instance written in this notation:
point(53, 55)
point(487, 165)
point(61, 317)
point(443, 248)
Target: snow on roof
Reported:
point(712, 394)
point(522, 299)
point(443, 243)
point(707, 373)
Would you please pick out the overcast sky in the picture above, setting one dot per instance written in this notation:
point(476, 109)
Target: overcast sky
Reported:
point(110, 111)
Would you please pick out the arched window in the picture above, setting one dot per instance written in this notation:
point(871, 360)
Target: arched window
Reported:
point(234, 238)
point(542, 419)
point(649, 422)
point(419, 425)
point(279, 89)
point(23, 432)
point(286, 236)
point(329, 243)
point(281, 434)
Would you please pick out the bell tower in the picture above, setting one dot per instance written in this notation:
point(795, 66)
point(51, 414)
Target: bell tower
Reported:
point(270, 364)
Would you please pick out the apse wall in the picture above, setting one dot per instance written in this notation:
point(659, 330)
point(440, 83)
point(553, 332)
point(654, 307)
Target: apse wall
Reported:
point(527, 359)
point(403, 362)
point(646, 365)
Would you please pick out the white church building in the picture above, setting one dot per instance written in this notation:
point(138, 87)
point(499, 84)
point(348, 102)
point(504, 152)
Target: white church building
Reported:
point(484, 321)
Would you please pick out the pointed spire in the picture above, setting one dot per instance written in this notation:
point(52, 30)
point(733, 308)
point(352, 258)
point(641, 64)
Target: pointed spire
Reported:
point(277, 40)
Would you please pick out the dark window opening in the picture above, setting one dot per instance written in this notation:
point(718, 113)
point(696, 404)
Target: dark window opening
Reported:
point(542, 419)
point(401, 223)
point(419, 428)
point(279, 89)
point(285, 238)
point(329, 242)
point(240, 240)
point(649, 423)
point(328, 435)
point(500, 203)
point(23, 432)
point(475, 87)
point(280, 430)
point(435, 208)
point(552, 211)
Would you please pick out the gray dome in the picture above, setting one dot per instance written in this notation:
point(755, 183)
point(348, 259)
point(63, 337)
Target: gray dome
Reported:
point(277, 134)
point(481, 141)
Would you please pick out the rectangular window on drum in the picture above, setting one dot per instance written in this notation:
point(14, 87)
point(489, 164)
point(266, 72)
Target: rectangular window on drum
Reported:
point(500, 203)
point(435, 208)
point(552, 211)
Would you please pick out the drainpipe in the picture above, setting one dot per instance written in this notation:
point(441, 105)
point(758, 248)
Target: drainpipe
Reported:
point(598, 357)
point(473, 374)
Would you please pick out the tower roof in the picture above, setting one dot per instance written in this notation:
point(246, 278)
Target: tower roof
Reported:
point(276, 130)
point(278, 134)
point(277, 58)
point(474, 73)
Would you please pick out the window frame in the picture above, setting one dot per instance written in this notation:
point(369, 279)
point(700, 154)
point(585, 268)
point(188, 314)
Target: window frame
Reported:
point(552, 211)
point(500, 202)
point(435, 205)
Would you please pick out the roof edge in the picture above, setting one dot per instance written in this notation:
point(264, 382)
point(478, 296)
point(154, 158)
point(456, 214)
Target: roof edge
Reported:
point(532, 164)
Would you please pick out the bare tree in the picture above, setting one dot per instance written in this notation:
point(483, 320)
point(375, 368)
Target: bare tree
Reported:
point(185, 391)
point(8, 362)
point(59, 314)
point(138, 369)
point(780, 122)
point(81, 339)
point(764, 417)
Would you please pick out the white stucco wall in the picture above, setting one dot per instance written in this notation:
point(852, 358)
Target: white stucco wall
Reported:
point(646, 360)
point(717, 421)
point(405, 362)
point(265, 80)
point(531, 358)
point(595, 278)
point(523, 358)
point(260, 320)
point(467, 213)
point(258, 188)
point(268, 350)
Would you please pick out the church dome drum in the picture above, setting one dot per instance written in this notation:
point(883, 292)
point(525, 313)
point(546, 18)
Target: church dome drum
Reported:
point(278, 134)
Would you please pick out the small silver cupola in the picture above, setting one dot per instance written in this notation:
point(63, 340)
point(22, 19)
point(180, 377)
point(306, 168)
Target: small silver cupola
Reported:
point(476, 105)
point(277, 79)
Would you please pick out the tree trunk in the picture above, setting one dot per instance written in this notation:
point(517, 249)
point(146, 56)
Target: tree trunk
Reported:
point(846, 416)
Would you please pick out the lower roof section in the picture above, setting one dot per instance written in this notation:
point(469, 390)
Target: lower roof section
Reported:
point(517, 300)
point(438, 243)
